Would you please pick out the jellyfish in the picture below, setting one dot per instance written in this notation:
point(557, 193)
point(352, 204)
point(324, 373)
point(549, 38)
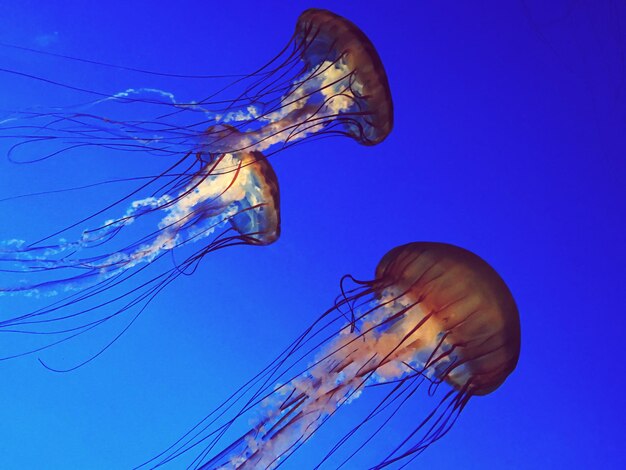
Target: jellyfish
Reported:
point(215, 207)
point(436, 317)
point(328, 80)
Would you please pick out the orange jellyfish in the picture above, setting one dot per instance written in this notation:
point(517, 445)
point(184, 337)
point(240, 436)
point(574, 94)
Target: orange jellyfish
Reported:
point(328, 80)
point(231, 200)
point(341, 87)
point(435, 316)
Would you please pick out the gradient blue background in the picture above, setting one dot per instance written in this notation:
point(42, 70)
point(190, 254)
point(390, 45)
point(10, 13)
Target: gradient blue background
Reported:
point(509, 141)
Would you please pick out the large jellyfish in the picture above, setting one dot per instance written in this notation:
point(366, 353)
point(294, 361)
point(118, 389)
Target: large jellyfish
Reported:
point(218, 190)
point(436, 316)
point(328, 79)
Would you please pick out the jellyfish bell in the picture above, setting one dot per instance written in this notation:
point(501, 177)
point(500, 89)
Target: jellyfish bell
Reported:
point(258, 220)
point(325, 36)
point(252, 176)
point(435, 316)
point(468, 301)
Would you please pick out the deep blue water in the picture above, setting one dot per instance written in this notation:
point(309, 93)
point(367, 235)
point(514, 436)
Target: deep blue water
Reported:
point(508, 141)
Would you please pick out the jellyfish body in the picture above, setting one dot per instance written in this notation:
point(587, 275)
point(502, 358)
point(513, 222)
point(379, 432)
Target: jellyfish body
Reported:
point(435, 314)
point(232, 199)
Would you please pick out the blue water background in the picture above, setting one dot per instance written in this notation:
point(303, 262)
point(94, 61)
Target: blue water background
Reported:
point(509, 141)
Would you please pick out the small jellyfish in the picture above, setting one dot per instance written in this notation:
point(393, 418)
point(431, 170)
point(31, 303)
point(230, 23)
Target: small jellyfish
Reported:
point(436, 316)
point(231, 200)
